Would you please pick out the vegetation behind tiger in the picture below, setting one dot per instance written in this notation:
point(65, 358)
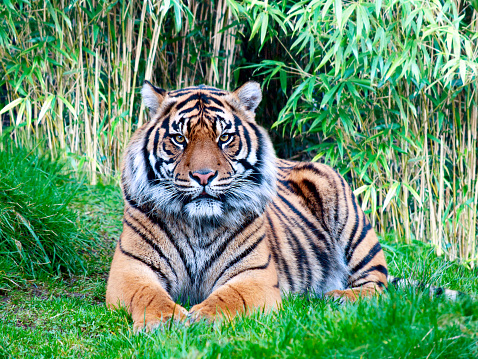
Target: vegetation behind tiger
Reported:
point(385, 92)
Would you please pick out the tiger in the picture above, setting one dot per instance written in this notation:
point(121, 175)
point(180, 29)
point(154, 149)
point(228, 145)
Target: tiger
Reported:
point(214, 219)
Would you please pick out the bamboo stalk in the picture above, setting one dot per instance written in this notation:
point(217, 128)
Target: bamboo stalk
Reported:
point(96, 115)
point(441, 197)
point(139, 45)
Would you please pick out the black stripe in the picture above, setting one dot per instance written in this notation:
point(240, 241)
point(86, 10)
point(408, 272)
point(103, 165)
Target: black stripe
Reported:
point(336, 209)
point(309, 224)
point(190, 109)
point(145, 209)
point(150, 265)
point(380, 268)
point(380, 284)
point(265, 266)
point(216, 256)
point(257, 173)
point(157, 221)
point(178, 93)
point(149, 170)
point(156, 141)
point(149, 241)
point(211, 110)
point(299, 252)
point(365, 229)
point(280, 258)
point(346, 217)
point(193, 97)
point(240, 295)
point(311, 167)
point(354, 230)
point(320, 255)
point(180, 251)
point(216, 101)
point(240, 257)
point(318, 206)
point(241, 228)
point(366, 260)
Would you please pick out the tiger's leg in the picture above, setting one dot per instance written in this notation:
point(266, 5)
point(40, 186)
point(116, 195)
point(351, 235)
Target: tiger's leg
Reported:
point(133, 285)
point(249, 290)
point(367, 269)
point(365, 261)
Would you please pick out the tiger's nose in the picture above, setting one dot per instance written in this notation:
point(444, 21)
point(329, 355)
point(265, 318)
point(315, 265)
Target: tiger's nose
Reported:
point(204, 176)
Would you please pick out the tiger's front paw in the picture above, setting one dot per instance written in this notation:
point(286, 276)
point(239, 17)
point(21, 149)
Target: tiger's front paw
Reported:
point(209, 312)
point(342, 296)
point(150, 322)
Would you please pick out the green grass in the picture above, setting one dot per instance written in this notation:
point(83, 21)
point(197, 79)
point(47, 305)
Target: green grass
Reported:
point(65, 316)
point(39, 233)
point(55, 322)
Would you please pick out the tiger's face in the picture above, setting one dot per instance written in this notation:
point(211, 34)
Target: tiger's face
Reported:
point(202, 157)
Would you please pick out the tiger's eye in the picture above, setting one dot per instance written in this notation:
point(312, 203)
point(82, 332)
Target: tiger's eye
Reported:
point(224, 137)
point(179, 138)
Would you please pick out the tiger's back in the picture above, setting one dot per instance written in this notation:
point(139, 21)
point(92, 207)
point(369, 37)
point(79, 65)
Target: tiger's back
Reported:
point(214, 219)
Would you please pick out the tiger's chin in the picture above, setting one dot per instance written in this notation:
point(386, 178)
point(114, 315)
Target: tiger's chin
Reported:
point(203, 214)
point(204, 208)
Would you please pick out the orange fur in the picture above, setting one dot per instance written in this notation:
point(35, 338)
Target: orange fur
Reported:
point(260, 227)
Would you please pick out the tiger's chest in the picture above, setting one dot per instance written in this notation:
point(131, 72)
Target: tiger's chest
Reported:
point(199, 262)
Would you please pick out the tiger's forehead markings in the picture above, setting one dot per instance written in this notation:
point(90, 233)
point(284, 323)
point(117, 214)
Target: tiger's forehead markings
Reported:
point(194, 89)
point(199, 106)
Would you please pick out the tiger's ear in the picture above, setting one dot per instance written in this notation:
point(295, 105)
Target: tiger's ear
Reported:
point(250, 95)
point(152, 97)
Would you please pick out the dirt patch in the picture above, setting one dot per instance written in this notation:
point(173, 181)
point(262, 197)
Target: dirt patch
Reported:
point(25, 325)
point(39, 292)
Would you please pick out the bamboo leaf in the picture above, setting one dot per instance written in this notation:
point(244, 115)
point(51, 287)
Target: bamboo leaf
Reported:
point(11, 105)
point(391, 193)
point(45, 107)
point(414, 194)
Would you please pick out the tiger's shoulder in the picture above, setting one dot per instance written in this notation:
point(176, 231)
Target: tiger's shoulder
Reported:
point(314, 183)
point(294, 170)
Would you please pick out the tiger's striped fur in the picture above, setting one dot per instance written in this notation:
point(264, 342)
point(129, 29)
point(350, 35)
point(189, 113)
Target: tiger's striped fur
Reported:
point(214, 218)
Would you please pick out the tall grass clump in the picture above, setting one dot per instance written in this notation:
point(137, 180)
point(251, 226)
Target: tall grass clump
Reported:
point(39, 234)
point(386, 92)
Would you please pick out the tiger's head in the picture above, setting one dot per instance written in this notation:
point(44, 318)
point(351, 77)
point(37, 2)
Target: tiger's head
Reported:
point(201, 157)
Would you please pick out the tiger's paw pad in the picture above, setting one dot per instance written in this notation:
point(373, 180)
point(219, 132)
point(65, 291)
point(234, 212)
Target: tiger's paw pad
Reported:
point(198, 316)
point(201, 312)
point(152, 323)
point(147, 327)
point(342, 296)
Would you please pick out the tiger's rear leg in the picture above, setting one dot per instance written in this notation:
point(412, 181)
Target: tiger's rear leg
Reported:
point(365, 262)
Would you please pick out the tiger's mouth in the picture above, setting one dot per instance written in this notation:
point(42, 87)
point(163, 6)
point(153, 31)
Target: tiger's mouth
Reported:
point(204, 196)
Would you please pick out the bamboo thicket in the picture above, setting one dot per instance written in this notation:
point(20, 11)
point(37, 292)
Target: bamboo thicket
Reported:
point(385, 91)
point(72, 72)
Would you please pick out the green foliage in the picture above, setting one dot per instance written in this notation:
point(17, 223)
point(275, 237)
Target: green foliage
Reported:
point(71, 72)
point(383, 91)
point(401, 324)
point(386, 93)
point(39, 234)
